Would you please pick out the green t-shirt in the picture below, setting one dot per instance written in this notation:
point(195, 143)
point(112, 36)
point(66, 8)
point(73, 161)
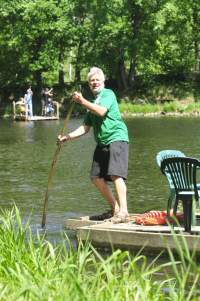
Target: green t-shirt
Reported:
point(110, 127)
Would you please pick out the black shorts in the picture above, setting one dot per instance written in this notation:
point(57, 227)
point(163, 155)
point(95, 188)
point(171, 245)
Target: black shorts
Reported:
point(110, 160)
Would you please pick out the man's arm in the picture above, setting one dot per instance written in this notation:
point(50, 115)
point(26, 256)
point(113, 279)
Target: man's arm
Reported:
point(80, 131)
point(94, 108)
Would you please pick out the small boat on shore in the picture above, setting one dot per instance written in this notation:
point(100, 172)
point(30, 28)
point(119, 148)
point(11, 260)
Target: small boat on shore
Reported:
point(131, 236)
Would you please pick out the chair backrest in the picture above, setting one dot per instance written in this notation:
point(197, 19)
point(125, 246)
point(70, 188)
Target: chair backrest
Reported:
point(168, 153)
point(183, 172)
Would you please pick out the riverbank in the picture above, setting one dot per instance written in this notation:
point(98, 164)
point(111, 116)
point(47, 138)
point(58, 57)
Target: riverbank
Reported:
point(130, 109)
point(152, 96)
point(174, 108)
point(33, 269)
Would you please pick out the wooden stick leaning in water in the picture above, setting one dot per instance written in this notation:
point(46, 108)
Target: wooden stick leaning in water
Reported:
point(53, 164)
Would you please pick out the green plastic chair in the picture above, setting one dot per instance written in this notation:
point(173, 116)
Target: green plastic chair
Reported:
point(164, 154)
point(183, 172)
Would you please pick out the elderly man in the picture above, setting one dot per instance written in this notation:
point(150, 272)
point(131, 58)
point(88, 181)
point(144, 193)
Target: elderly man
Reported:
point(110, 159)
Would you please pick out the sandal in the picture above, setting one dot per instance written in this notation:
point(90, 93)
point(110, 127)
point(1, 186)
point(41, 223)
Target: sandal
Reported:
point(102, 217)
point(118, 219)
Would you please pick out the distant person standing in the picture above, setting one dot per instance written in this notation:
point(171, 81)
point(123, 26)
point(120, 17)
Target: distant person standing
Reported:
point(28, 102)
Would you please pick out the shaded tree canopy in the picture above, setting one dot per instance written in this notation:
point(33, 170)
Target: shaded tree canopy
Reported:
point(42, 40)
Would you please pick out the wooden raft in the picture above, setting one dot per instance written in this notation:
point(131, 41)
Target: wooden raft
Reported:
point(133, 236)
point(20, 114)
point(35, 118)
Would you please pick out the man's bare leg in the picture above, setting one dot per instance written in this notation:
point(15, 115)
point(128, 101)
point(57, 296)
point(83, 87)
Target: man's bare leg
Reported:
point(106, 192)
point(121, 191)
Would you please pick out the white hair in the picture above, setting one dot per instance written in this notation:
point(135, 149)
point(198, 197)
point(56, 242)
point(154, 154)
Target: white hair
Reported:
point(96, 70)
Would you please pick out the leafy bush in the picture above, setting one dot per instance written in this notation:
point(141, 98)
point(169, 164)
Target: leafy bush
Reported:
point(170, 107)
point(32, 269)
point(193, 107)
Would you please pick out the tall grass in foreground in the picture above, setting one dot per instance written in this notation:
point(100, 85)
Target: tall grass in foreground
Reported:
point(38, 271)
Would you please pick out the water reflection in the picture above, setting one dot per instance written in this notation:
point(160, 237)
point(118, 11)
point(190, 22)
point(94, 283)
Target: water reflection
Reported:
point(27, 149)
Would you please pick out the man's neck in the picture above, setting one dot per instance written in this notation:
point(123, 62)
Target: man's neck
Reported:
point(98, 92)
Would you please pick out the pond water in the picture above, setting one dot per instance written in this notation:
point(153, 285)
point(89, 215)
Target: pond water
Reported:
point(27, 149)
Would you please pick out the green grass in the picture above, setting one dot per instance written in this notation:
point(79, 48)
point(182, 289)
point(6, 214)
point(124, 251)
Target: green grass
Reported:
point(193, 107)
point(32, 269)
point(130, 108)
point(170, 107)
point(167, 107)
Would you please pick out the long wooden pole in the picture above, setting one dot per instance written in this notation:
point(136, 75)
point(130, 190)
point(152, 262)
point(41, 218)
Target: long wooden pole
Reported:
point(53, 164)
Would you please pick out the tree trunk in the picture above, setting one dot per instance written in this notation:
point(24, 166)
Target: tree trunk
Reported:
point(197, 57)
point(136, 18)
point(78, 61)
point(38, 79)
point(122, 78)
point(77, 73)
point(132, 72)
point(37, 92)
point(61, 74)
point(196, 21)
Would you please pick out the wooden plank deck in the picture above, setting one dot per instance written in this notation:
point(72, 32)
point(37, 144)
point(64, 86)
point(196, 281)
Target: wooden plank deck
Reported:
point(35, 118)
point(132, 236)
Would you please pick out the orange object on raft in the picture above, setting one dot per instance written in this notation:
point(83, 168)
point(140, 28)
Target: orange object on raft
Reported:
point(155, 217)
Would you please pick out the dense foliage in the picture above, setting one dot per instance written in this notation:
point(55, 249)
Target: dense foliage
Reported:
point(54, 41)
